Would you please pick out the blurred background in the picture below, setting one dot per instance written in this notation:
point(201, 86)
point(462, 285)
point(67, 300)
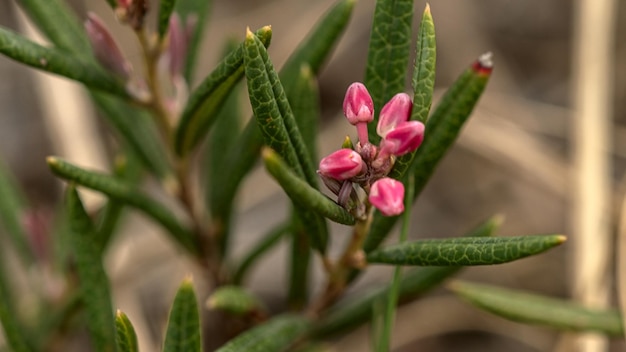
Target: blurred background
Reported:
point(517, 156)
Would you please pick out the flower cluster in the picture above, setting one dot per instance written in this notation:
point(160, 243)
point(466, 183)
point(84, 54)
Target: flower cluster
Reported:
point(356, 173)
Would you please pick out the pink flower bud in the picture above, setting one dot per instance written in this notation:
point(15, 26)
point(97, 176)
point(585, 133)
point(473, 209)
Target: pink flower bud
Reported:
point(358, 105)
point(177, 48)
point(105, 48)
point(342, 164)
point(396, 111)
point(404, 138)
point(387, 195)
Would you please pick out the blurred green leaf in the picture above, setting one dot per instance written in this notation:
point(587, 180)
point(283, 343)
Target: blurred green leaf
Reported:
point(194, 12)
point(14, 332)
point(305, 103)
point(57, 21)
point(165, 11)
point(301, 193)
point(94, 284)
point(442, 128)
point(535, 309)
point(462, 251)
point(235, 300)
point(356, 309)
point(299, 266)
point(183, 327)
point(388, 55)
point(12, 210)
point(276, 334)
point(206, 101)
point(125, 337)
point(423, 82)
point(59, 62)
point(260, 248)
point(136, 127)
point(127, 193)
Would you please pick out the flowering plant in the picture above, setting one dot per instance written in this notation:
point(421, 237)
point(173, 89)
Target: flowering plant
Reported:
point(161, 117)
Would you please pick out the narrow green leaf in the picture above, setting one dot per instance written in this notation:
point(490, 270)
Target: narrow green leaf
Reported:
point(301, 193)
point(319, 42)
point(94, 285)
point(196, 12)
point(299, 268)
point(305, 103)
point(356, 309)
point(58, 62)
point(112, 3)
point(388, 55)
point(464, 251)
point(14, 332)
point(127, 193)
point(206, 101)
point(57, 21)
point(277, 334)
point(235, 300)
point(531, 308)
point(266, 243)
point(183, 327)
point(12, 209)
point(423, 82)
point(442, 128)
point(125, 337)
point(165, 11)
point(135, 127)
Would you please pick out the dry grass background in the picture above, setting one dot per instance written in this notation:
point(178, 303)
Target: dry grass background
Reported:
point(514, 157)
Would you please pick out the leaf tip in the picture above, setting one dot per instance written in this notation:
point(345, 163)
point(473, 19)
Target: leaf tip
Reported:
point(187, 281)
point(52, 160)
point(559, 239)
point(249, 34)
point(497, 220)
point(427, 10)
point(484, 64)
point(268, 153)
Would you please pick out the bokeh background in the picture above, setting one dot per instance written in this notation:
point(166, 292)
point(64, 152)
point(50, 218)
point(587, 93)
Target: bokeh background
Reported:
point(516, 157)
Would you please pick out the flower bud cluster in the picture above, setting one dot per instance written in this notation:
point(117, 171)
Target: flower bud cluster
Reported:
point(359, 175)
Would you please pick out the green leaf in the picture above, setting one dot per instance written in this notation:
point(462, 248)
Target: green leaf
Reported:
point(319, 42)
point(303, 194)
point(464, 251)
point(235, 300)
point(57, 21)
point(205, 101)
point(277, 334)
point(196, 11)
point(165, 11)
point(356, 309)
point(442, 128)
point(535, 309)
point(305, 103)
point(299, 268)
point(423, 82)
point(388, 55)
point(127, 193)
point(94, 285)
point(266, 243)
point(136, 127)
point(183, 327)
point(58, 62)
point(14, 332)
point(125, 337)
point(12, 209)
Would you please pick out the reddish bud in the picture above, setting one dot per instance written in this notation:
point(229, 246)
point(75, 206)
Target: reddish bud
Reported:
point(396, 111)
point(342, 164)
point(177, 48)
point(387, 195)
point(358, 105)
point(404, 138)
point(105, 49)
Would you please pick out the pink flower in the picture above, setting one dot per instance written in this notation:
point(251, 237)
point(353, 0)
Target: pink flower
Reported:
point(105, 49)
point(342, 164)
point(387, 195)
point(396, 111)
point(358, 108)
point(404, 138)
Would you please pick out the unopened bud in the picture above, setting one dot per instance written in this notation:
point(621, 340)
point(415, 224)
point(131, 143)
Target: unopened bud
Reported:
point(406, 137)
point(105, 49)
point(177, 48)
point(396, 111)
point(387, 195)
point(343, 164)
point(358, 105)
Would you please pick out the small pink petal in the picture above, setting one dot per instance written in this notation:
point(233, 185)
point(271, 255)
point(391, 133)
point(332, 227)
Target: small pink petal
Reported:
point(358, 106)
point(396, 111)
point(387, 195)
point(105, 49)
point(342, 164)
point(404, 138)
